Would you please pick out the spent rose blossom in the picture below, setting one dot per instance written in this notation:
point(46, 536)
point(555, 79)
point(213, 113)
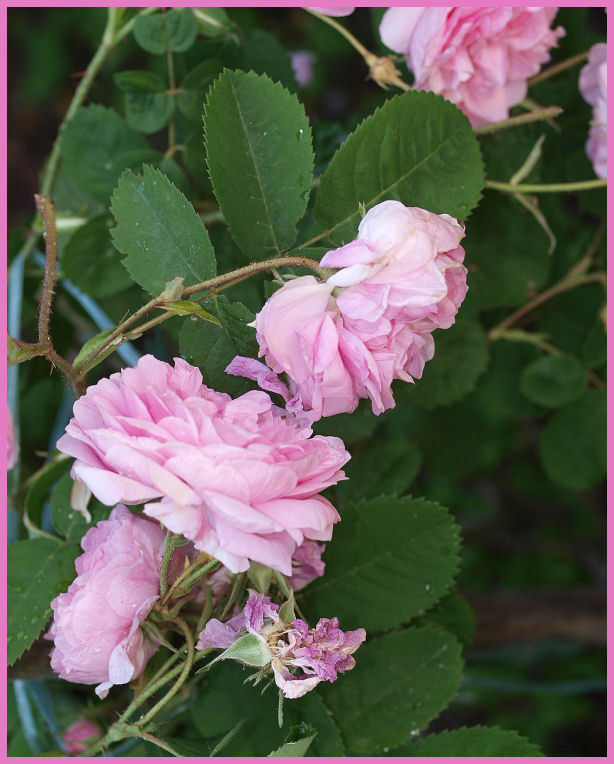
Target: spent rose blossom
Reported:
point(370, 322)
point(478, 58)
point(240, 478)
point(594, 88)
point(96, 626)
point(12, 448)
point(300, 657)
point(80, 735)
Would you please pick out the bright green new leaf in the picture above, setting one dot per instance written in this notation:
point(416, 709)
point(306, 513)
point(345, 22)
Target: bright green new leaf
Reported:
point(95, 343)
point(160, 232)
point(405, 549)
point(97, 146)
point(260, 160)
point(38, 570)
point(187, 308)
point(418, 148)
point(148, 106)
point(400, 682)
point(248, 650)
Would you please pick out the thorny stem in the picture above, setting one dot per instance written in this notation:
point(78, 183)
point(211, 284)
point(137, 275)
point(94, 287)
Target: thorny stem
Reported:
point(160, 743)
point(171, 542)
point(520, 119)
point(188, 573)
point(562, 66)
point(546, 188)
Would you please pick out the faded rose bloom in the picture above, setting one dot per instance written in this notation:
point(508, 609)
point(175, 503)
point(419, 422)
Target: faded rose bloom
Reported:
point(96, 623)
point(302, 65)
point(300, 657)
point(12, 447)
point(478, 58)
point(80, 735)
point(240, 478)
point(371, 322)
point(306, 564)
point(594, 88)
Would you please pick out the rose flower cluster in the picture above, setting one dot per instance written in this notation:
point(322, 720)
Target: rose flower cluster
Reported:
point(240, 480)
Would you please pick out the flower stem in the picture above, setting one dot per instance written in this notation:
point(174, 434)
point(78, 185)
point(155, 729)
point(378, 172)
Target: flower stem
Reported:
point(520, 119)
point(160, 743)
point(546, 188)
point(171, 542)
point(344, 32)
point(562, 66)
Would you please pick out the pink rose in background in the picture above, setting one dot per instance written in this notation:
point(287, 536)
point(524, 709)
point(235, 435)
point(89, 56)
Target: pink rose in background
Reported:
point(371, 322)
point(478, 58)
point(594, 88)
point(12, 448)
point(240, 478)
point(96, 623)
point(300, 657)
point(307, 564)
point(333, 11)
point(302, 65)
point(80, 735)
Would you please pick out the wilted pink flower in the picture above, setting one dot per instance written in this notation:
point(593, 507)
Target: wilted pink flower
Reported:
point(12, 448)
point(80, 735)
point(96, 623)
point(326, 11)
point(478, 58)
point(371, 322)
point(240, 478)
point(300, 657)
point(594, 88)
point(302, 65)
point(306, 564)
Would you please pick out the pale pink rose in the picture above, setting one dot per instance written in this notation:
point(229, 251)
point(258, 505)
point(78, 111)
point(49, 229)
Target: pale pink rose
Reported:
point(80, 735)
point(371, 322)
point(594, 88)
point(307, 564)
point(96, 624)
point(332, 11)
point(478, 58)
point(302, 66)
point(240, 478)
point(12, 448)
point(300, 657)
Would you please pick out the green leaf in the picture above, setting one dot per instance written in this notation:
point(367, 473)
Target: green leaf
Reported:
point(148, 106)
point(454, 614)
point(471, 741)
point(191, 96)
point(17, 352)
point(295, 747)
point(97, 146)
point(160, 232)
point(212, 21)
point(91, 261)
point(573, 443)
point(418, 148)
point(69, 522)
point(248, 650)
point(260, 160)
point(188, 308)
point(176, 29)
point(380, 467)
point(37, 571)
point(553, 380)
point(95, 343)
point(260, 575)
point(235, 318)
point(262, 53)
point(461, 356)
point(406, 548)
point(39, 485)
point(400, 682)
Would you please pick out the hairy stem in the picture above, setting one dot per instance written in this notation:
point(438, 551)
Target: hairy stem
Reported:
point(171, 542)
point(538, 115)
point(546, 188)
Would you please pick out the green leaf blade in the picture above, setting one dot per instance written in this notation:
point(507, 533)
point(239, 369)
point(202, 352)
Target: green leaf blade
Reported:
point(160, 232)
point(260, 160)
point(471, 741)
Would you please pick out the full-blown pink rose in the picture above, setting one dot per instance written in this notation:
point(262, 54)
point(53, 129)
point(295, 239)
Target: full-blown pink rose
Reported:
point(96, 625)
point(594, 88)
point(478, 58)
point(371, 322)
point(240, 478)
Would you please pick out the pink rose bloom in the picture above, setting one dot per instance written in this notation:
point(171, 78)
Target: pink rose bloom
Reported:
point(80, 735)
point(302, 65)
point(307, 564)
point(333, 11)
point(240, 478)
point(594, 88)
point(12, 448)
point(300, 657)
point(96, 623)
point(371, 322)
point(478, 58)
